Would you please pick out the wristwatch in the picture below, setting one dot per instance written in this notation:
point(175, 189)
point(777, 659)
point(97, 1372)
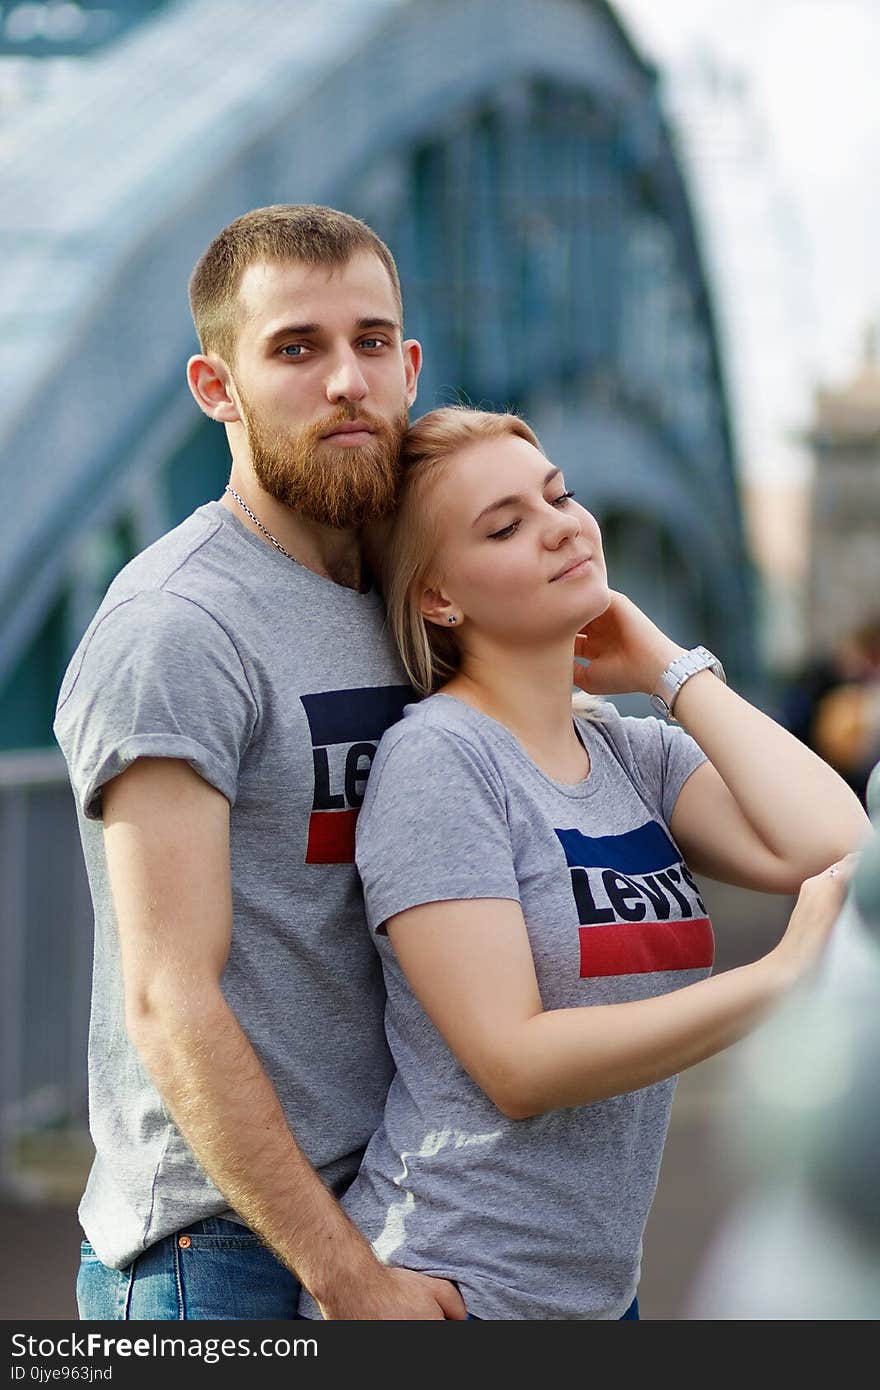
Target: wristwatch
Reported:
point(680, 670)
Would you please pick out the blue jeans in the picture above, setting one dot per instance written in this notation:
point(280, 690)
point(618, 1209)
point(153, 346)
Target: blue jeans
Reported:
point(213, 1269)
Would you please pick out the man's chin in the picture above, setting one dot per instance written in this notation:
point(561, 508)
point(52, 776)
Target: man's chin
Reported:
point(343, 514)
point(344, 486)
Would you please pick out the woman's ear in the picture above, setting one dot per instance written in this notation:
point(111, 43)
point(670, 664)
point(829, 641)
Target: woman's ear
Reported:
point(438, 608)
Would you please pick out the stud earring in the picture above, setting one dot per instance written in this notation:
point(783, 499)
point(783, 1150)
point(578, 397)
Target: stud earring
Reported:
point(450, 619)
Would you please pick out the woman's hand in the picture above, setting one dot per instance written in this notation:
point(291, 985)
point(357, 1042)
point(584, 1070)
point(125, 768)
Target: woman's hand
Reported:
point(811, 923)
point(626, 651)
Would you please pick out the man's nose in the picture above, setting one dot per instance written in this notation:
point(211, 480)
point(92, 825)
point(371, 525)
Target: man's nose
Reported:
point(346, 381)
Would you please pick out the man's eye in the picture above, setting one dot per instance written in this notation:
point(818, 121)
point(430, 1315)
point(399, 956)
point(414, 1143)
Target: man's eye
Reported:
point(503, 534)
point(373, 343)
point(294, 350)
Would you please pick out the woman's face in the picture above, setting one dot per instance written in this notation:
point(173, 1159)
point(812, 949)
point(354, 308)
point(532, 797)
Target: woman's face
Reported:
point(518, 557)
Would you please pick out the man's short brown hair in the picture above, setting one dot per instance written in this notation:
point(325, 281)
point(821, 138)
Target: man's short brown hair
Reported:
point(304, 232)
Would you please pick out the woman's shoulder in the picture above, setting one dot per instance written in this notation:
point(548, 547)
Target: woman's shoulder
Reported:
point(436, 719)
point(656, 756)
point(626, 731)
point(438, 730)
point(631, 739)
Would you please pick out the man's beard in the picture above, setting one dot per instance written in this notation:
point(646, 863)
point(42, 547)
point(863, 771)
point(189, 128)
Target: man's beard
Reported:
point(335, 485)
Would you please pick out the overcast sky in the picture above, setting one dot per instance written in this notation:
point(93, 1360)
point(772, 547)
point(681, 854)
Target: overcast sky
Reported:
point(814, 75)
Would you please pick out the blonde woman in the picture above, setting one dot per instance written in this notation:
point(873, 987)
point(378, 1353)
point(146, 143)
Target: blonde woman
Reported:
point(527, 870)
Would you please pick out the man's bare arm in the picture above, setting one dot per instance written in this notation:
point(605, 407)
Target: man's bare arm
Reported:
point(167, 841)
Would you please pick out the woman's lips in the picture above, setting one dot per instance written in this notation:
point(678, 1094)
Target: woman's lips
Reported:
point(574, 570)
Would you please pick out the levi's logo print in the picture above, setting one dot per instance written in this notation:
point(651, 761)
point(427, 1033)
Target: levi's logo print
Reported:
point(637, 903)
point(345, 726)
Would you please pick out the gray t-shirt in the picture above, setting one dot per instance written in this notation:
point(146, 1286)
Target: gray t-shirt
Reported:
point(537, 1218)
point(276, 686)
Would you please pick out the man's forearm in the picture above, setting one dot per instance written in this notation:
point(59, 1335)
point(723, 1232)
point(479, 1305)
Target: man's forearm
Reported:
point(227, 1110)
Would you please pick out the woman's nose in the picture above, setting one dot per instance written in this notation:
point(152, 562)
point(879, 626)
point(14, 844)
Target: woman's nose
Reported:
point(562, 526)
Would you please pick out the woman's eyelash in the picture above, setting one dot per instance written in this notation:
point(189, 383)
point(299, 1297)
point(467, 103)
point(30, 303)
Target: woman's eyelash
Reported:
point(506, 531)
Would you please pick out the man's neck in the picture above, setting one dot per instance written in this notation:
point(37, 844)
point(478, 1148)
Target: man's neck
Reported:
point(332, 554)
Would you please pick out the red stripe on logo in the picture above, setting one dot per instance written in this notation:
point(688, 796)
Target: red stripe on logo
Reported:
point(331, 837)
point(640, 948)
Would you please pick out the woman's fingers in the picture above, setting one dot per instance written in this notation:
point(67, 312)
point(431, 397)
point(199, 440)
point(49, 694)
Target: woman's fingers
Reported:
point(580, 676)
point(844, 869)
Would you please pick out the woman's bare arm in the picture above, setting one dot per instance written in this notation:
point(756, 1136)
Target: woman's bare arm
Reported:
point(470, 965)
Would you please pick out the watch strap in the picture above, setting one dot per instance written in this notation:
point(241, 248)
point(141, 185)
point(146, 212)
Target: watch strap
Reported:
point(679, 670)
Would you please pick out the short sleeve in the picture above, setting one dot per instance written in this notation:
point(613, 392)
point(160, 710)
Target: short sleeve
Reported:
point(155, 677)
point(433, 826)
point(663, 756)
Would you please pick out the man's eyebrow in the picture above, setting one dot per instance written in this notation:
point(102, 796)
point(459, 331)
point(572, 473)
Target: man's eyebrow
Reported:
point(513, 499)
point(293, 330)
point(379, 323)
point(307, 330)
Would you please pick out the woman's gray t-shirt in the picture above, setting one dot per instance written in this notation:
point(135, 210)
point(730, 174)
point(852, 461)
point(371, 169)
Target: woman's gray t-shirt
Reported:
point(537, 1218)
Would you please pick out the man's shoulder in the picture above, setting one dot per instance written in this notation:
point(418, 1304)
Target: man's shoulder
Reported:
point(183, 556)
point(169, 601)
point(191, 576)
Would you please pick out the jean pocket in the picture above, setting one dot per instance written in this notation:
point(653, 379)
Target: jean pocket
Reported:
point(232, 1276)
point(101, 1293)
point(228, 1240)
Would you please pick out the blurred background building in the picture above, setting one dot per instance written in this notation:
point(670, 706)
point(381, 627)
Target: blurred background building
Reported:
point(832, 700)
point(757, 262)
point(561, 222)
point(843, 592)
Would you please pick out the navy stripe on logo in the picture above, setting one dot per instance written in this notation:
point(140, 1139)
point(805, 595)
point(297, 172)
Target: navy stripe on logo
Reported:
point(641, 851)
point(355, 716)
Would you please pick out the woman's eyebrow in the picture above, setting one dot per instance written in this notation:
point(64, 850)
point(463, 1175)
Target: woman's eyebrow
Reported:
point(514, 498)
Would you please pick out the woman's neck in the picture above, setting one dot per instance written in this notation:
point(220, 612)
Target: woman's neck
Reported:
point(527, 691)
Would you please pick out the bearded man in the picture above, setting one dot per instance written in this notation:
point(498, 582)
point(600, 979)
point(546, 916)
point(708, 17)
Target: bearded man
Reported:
point(219, 718)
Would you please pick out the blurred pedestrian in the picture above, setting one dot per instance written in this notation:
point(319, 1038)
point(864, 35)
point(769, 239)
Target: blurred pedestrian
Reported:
point(833, 705)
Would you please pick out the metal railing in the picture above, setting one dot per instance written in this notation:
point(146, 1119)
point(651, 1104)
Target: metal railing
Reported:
point(45, 965)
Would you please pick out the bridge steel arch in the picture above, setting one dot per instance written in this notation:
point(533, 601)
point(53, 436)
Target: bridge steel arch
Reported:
point(535, 119)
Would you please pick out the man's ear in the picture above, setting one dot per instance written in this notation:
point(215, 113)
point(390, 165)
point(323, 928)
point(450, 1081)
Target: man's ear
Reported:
point(412, 365)
point(209, 381)
point(438, 608)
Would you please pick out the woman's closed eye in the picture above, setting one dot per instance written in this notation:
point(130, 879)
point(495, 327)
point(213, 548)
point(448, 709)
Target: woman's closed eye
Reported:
point(561, 501)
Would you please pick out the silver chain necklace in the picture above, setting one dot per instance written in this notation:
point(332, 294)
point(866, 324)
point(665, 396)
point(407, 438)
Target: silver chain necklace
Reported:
point(257, 522)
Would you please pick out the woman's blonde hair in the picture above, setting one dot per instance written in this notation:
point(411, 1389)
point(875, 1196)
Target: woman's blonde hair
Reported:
point(403, 550)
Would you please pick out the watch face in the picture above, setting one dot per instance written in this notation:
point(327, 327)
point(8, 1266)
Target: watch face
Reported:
point(660, 706)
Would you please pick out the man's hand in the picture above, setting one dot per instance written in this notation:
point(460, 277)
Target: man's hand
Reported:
point(395, 1295)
